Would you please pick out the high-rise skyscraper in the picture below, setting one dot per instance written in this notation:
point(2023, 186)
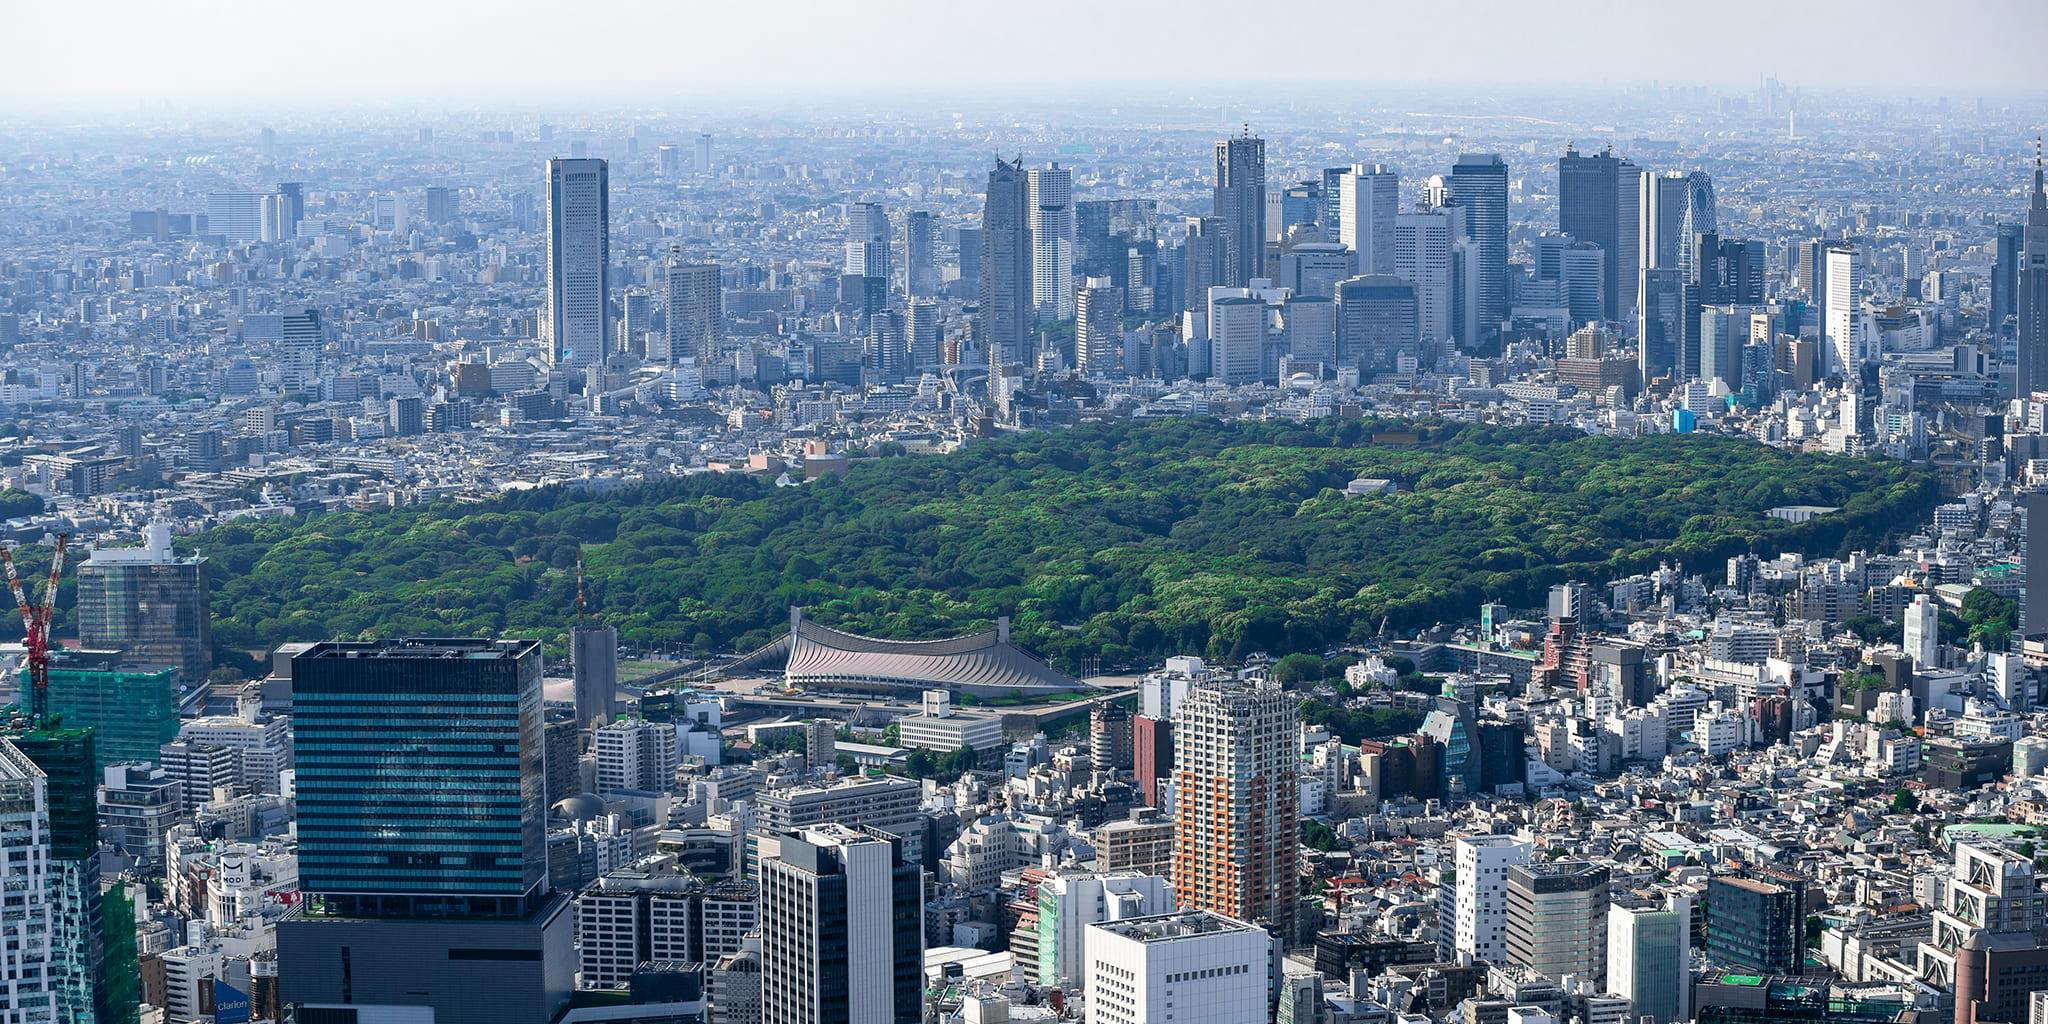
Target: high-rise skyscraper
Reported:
point(1697, 218)
point(1597, 202)
point(888, 350)
point(422, 852)
point(443, 203)
point(299, 351)
point(1843, 328)
point(1237, 336)
point(1478, 184)
point(2031, 306)
point(1098, 329)
point(842, 928)
point(1377, 322)
point(27, 916)
point(579, 258)
point(1237, 802)
point(1052, 241)
point(1663, 219)
point(923, 328)
point(150, 604)
point(2005, 274)
point(1422, 257)
point(1202, 261)
point(1240, 205)
point(1368, 204)
point(696, 311)
point(867, 253)
point(84, 978)
point(1008, 316)
point(920, 238)
point(594, 669)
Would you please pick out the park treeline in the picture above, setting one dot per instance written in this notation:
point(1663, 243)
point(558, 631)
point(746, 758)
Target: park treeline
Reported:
point(1120, 542)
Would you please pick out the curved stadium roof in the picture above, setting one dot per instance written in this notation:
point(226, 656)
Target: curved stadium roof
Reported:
point(984, 664)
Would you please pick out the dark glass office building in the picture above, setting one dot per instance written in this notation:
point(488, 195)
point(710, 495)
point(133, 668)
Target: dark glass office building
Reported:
point(420, 779)
point(422, 855)
point(1757, 922)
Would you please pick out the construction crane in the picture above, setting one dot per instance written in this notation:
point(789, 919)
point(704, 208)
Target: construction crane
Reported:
point(35, 624)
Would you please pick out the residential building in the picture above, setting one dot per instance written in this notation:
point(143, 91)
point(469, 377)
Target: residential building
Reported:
point(1237, 802)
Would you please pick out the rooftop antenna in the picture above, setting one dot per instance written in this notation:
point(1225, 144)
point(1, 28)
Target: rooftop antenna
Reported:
point(579, 588)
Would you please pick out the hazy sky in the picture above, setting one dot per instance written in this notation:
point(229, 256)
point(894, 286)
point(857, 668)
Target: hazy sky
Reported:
point(108, 53)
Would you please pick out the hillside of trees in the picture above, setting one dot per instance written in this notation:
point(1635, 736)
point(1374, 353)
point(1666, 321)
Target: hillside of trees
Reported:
point(1123, 542)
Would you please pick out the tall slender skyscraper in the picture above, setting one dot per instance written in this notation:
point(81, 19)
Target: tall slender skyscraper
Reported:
point(1237, 803)
point(579, 257)
point(1598, 202)
point(1052, 241)
point(1422, 257)
point(867, 252)
point(1478, 184)
point(1843, 328)
point(1007, 314)
point(920, 271)
point(300, 351)
point(2005, 274)
point(1098, 328)
point(1368, 202)
point(2032, 307)
point(1241, 207)
point(1697, 218)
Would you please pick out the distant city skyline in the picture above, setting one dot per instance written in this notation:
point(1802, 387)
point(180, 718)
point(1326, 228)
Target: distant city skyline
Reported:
point(244, 53)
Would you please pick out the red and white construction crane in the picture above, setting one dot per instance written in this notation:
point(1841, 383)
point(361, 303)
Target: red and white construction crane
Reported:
point(35, 623)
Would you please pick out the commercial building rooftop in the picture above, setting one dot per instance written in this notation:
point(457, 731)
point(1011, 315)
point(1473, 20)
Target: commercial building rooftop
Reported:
point(1182, 925)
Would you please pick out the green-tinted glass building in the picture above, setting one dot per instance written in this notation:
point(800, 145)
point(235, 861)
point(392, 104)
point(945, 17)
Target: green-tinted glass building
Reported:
point(78, 946)
point(131, 708)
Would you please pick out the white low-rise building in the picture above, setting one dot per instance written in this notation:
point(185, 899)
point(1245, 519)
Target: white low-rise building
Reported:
point(1195, 967)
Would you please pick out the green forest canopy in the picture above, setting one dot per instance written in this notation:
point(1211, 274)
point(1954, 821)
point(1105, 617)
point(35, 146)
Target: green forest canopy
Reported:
point(1123, 541)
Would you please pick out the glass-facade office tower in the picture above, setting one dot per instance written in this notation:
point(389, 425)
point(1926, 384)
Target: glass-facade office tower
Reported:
point(1478, 184)
point(696, 312)
point(1008, 316)
point(2031, 304)
point(26, 914)
point(420, 778)
point(422, 860)
point(149, 604)
point(842, 933)
point(579, 253)
point(1241, 207)
point(1051, 190)
point(1757, 923)
point(83, 984)
point(1598, 202)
